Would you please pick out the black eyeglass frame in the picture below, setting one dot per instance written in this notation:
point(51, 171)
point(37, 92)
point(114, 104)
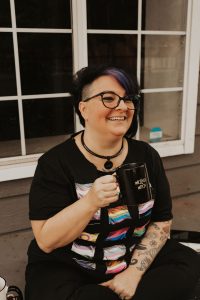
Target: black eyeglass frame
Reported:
point(135, 100)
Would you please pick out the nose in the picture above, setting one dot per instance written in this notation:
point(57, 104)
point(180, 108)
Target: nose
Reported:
point(122, 105)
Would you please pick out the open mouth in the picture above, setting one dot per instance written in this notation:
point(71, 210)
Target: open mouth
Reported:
point(117, 118)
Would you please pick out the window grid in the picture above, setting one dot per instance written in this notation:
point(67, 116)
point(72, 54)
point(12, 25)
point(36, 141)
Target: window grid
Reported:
point(18, 80)
point(19, 97)
point(35, 30)
point(139, 32)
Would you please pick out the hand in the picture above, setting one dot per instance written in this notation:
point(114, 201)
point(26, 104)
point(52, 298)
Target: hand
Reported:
point(104, 191)
point(124, 284)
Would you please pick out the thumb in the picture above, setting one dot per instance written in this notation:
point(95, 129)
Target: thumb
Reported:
point(106, 283)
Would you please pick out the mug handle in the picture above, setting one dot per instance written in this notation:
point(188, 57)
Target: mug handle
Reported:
point(14, 293)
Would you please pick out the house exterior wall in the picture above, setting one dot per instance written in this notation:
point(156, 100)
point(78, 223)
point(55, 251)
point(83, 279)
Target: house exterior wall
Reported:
point(183, 172)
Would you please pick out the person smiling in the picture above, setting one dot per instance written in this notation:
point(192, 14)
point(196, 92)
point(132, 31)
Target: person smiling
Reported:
point(86, 244)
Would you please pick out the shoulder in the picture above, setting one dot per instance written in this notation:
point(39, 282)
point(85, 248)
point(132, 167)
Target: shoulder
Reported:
point(142, 148)
point(58, 152)
point(57, 160)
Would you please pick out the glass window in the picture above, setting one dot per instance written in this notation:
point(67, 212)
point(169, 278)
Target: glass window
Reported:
point(118, 50)
point(161, 116)
point(162, 61)
point(43, 14)
point(47, 122)
point(7, 65)
point(5, 18)
point(112, 14)
point(45, 62)
point(9, 129)
point(164, 15)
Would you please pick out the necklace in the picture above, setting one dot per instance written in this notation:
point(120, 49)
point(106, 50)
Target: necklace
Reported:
point(108, 164)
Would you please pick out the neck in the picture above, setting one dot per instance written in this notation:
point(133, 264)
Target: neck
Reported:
point(108, 165)
point(102, 144)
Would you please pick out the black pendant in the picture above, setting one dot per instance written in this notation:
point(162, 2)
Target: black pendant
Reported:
point(108, 164)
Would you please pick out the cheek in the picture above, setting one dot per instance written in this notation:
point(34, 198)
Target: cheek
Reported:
point(97, 113)
point(131, 114)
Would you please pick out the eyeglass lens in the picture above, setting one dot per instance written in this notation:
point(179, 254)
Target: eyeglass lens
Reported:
point(111, 100)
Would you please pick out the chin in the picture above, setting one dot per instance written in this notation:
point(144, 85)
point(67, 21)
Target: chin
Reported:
point(119, 132)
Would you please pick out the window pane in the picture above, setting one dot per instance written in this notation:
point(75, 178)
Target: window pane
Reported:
point(161, 110)
point(47, 122)
point(163, 61)
point(112, 14)
point(7, 66)
point(5, 18)
point(116, 50)
point(164, 15)
point(9, 129)
point(45, 62)
point(43, 14)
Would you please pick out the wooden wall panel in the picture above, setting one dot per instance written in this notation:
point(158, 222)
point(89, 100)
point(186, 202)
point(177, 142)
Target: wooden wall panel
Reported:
point(13, 257)
point(15, 187)
point(184, 181)
point(14, 214)
point(183, 160)
point(198, 120)
point(186, 211)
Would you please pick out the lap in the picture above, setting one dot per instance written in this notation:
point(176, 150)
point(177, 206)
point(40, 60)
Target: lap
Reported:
point(176, 254)
point(51, 281)
point(176, 268)
point(94, 291)
point(173, 274)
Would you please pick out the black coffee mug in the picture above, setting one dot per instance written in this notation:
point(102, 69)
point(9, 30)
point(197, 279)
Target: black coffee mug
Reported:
point(134, 184)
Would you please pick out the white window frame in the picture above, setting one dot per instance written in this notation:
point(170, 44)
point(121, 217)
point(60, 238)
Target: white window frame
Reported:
point(24, 166)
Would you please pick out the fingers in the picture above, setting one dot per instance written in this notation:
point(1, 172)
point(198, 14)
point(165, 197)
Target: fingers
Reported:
point(110, 188)
point(108, 179)
point(106, 283)
point(104, 191)
point(121, 294)
point(124, 297)
point(108, 183)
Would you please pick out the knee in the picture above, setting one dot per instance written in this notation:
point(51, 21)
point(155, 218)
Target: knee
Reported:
point(94, 291)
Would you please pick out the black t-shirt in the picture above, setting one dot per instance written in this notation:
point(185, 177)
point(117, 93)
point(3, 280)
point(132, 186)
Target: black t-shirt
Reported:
point(105, 247)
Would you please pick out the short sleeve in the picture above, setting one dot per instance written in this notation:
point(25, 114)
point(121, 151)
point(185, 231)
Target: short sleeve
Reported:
point(51, 189)
point(162, 210)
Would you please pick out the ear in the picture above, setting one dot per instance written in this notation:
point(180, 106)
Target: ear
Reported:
point(83, 110)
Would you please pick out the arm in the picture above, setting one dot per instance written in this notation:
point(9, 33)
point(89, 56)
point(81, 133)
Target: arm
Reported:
point(153, 241)
point(126, 282)
point(68, 224)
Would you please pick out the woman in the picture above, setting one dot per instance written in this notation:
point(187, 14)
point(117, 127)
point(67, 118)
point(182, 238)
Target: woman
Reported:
point(86, 246)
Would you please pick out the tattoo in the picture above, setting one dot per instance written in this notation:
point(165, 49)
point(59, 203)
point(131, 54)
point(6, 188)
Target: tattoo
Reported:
point(133, 261)
point(166, 229)
point(163, 237)
point(164, 234)
point(151, 235)
point(155, 226)
point(144, 264)
point(140, 247)
point(153, 243)
point(151, 252)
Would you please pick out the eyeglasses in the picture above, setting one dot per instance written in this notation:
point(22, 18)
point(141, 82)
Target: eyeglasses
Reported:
point(111, 100)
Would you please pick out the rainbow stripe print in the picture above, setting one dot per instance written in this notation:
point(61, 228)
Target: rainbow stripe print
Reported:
point(115, 266)
point(118, 214)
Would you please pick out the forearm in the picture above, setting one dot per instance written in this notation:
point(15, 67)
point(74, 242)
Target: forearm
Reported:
point(65, 226)
point(146, 251)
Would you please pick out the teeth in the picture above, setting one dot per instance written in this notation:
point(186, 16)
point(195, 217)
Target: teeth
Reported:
point(117, 118)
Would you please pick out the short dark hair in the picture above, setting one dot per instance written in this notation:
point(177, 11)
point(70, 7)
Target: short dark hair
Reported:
point(87, 75)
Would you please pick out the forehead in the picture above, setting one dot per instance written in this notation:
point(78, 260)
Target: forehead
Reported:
point(105, 83)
